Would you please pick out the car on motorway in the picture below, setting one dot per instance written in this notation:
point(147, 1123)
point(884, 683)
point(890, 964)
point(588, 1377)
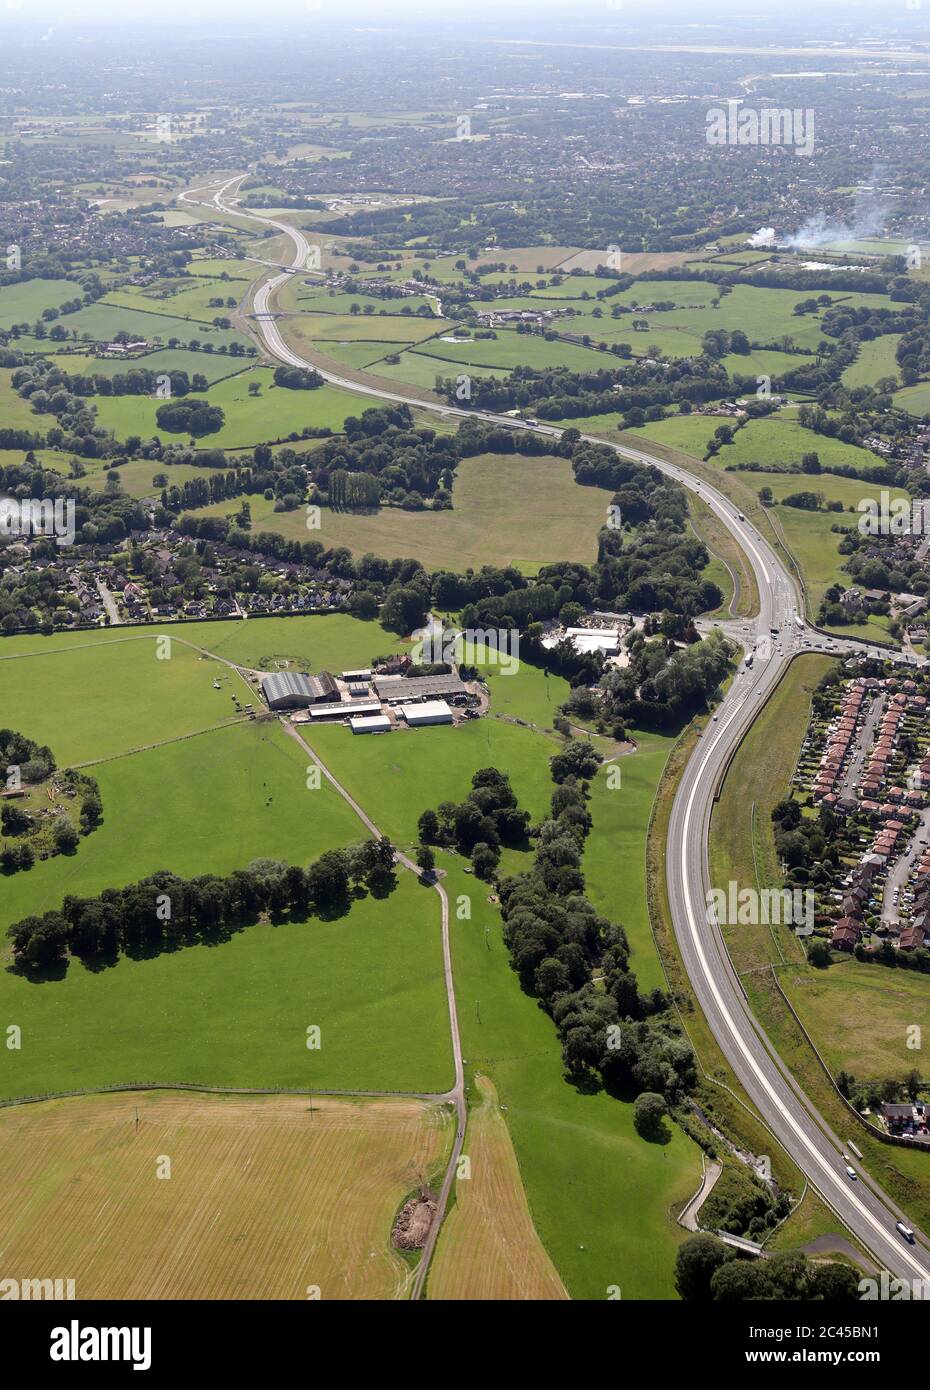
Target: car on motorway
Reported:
point(905, 1231)
point(851, 1173)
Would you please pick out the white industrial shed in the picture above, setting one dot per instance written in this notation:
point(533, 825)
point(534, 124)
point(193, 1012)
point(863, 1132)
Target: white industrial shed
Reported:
point(370, 724)
point(429, 712)
point(346, 707)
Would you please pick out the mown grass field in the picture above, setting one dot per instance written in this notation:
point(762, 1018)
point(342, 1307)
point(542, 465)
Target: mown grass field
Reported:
point(508, 509)
point(323, 641)
point(237, 1013)
point(615, 852)
point(489, 1248)
point(859, 1015)
point(267, 1197)
point(103, 697)
point(234, 1013)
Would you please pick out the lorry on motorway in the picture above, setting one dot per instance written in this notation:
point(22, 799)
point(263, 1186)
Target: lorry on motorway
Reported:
point(740, 517)
point(906, 1232)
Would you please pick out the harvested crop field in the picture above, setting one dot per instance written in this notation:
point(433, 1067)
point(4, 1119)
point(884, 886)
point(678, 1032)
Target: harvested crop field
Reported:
point(488, 1248)
point(268, 1197)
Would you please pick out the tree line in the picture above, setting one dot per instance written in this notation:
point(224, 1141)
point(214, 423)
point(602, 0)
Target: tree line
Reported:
point(165, 912)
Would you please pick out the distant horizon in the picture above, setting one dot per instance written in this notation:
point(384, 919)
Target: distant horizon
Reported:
point(77, 13)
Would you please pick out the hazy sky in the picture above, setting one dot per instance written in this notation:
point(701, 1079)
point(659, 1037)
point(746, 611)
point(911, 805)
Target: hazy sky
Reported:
point(523, 12)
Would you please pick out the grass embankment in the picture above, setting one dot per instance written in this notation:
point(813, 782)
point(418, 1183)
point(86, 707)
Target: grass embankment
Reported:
point(742, 848)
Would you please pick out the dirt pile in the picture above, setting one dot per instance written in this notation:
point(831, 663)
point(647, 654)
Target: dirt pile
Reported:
point(413, 1222)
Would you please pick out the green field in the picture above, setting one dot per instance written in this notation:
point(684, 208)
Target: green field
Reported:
point(509, 349)
point(508, 509)
point(832, 1005)
point(213, 366)
point(24, 302)
point(579, 1155)
point(17, 413)
point(99, 698)
point(331, 641)
point(235, 1013)
point(102, 321)
point(397, 328)
point(915, 399)
point(775, 442)
point(876, 360)
point(764, 362)
point(274, 414)
point(136, 477)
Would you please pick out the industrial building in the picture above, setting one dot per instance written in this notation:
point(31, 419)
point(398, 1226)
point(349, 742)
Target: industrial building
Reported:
point(429, 712)
point(291, 690)
point(370, 724)
point(401, 690)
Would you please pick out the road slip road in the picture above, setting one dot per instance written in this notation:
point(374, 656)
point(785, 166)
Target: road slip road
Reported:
point(805, 1135)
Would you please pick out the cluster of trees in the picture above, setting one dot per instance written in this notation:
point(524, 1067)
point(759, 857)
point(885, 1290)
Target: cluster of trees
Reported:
point(708, 1271)
point(407, 464)
point(807, 845)
point(557, 940)
point(807, 501)
point(869, 1095)
point(164, 912)
point(352, 490)
point(25, 764)
point(742, 1203)
point(639, 390)
point(191, 417)
point(297, 378)
point(488, 818)
point(136, 381)
point(664, 684)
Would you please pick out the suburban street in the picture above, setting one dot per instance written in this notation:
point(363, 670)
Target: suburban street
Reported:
point(778, 633)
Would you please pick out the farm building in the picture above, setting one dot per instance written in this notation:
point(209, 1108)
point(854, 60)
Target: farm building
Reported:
point(350, 707)
point(399, 690)
point(291, 690)
point(370, 724)
point(430, 712)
